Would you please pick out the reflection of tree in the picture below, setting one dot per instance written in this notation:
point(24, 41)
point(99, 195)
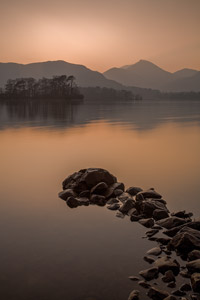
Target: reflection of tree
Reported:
point(57, 87)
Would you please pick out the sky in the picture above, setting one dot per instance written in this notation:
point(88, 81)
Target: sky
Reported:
point(101, 34)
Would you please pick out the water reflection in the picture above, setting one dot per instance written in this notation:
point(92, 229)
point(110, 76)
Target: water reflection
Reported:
point(141, 115)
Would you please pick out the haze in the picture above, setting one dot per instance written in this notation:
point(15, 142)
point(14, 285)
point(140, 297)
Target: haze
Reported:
point(101, 34)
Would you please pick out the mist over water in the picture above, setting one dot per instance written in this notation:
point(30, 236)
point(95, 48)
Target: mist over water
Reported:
point(49, 251)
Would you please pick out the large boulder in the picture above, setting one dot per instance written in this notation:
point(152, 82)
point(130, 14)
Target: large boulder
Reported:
point(87, 178)
point(165, 264)
point(186, 240)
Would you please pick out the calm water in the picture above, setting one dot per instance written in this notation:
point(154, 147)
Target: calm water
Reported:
point(52, 252)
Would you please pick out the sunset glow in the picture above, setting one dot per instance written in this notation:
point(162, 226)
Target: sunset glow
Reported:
point(102, 34)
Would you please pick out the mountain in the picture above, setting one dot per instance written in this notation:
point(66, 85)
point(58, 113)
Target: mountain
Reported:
point(84, 76)
point(145, 74)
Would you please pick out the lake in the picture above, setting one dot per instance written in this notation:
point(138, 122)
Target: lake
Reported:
point(51, 252)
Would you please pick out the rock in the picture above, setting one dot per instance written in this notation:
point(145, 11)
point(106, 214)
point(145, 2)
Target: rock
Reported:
point(123, 197)
point(98, 199)
point(135, 218)
point(157, 294)
point(72, 202)
point(134, 295)
point(155, 251)
point(149, 274)
point(99, 189)
point(83, 201)
point(195, 297)
point(171, 284)
point(163, 241)
point(195, 282)
point(159, 214)
point(172, 232)
point(120, 215)
point(67, 193)
point(148, 194)
point(132, 211)
point(193, 266)
point(133, 190)
point(170, 297)
point(165, 263)
point(112, 201)
point(84, 194)
point(144, 284)
point(85, 179)
point(147, 207)
point(147, 222)
point(134, 278)
point(149, 259)
point(156, 227)
point(178, 293)
point(115, 186)
point(193, 255)
point(128, 204)
point(152, 232)
point(171, 222)
point(182, 214)
point(186, 240)
point(185, 287)
point(168, 277)
point(185, 274)
point(114, 206)
point(117, 192)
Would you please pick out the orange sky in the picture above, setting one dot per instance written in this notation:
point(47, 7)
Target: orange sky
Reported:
point(101, 34)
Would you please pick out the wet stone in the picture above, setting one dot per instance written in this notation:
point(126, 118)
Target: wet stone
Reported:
point(72, 202)
point(148, 194)
point(117, 192)
point(147, 222)
point(171, 297)
point(178, 293)
point(193, 255)
point(114, 206)
point(154, 251)
point(128, 204)
point(67, 193)
point(185, 287)
point(195, 282)
point(165, 263)
point(168, 277)
point(194, 266)
point(134, 295)
point(157, 294)
point(149, 274)
point(159, 214)
point(134, 278)
point(152, 232)
point(99, 189)
point(144, 284)
point(133, 190)
point(84, 194)
point(112, 201)
point(149, 259)
point(171, 284)
point(171, 222)
point(98, 199)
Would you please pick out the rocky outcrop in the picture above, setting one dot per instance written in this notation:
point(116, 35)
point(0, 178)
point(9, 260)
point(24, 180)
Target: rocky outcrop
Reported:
point(96, 186)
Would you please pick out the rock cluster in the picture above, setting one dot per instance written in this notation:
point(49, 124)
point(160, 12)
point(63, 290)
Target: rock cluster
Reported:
point(95, 186)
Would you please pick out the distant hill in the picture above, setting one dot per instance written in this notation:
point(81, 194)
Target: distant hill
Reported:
point(84, 76)
point(145, 74)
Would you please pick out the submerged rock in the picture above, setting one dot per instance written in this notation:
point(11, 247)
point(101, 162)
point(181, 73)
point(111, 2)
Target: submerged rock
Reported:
point(152, 232)
point(144, 284)
point(134, 278)
point(169, 276)
point(149, 259)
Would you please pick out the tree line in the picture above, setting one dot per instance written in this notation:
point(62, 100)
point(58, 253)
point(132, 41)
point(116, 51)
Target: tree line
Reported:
point(62, 87)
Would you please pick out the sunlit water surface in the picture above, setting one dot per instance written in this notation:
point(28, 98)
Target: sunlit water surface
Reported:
point(52, 252)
